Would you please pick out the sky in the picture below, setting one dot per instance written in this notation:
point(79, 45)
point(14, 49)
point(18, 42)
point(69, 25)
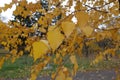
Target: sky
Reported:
point(6, 16)
point(2, 2)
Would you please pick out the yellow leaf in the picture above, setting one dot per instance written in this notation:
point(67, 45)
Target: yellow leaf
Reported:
point(55, 38)
point(1, 62)
point(13, 59)
point(35, 70)
point(13, 52)
point(74, 61)
point(4, 43)
point(7, 56)
point(55, 61)
point(43, 21)
point(114, 34)
point(60, 76)
point(82, 18)
point(27, 48)
point(105, 34)
point(42, 29)
point(66, 72)
point(78, 6)
point(69, 78)
point(39, 49)
point(68, 27)
point(53, 75)
point(20, 53)
point(109, 51)
point(46, 43)
point(87, 30)
point(46, 61)
point(50, 28)
point(33, 76)
point(98, 58)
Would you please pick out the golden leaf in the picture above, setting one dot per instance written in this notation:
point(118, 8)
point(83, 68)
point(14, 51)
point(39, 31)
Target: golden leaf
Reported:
point(50, 28)
point(104, 34)
point(13, 52)
point(60, 76)
point(39, 49)
point(99, 36)
point(46, 60)
point(18, 10)
point(68, 27)
point(57, 55)
point(55, 38)
point(87, 30)
point(46, 43)
point(69, 78)
point(4, 43)
point(43, 21)
point(25, 13)
point(43, 30)
point(98, 58)
point(33, 76)
point(20, 53)
point(7, 6)
point(82, 18)
point(114, 34)
point(109, 51)
point(7, 56)
point(53, 75)
point(74, 61)
point(65, 71)
point(27, 48)
point(1, 62)
point(55, 61)
point(13, 59)
point(35, 70)
point(57, 58)
point(78, 6)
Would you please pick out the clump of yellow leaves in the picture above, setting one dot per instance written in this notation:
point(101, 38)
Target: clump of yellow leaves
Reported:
point(58, 39)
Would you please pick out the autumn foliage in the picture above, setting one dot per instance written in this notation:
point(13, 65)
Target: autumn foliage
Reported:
point(46, 28)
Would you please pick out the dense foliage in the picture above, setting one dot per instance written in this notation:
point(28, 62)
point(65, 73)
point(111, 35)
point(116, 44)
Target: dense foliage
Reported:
point(51, 31)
